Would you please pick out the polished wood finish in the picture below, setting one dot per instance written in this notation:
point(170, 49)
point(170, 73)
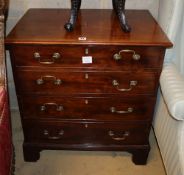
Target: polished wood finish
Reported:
point(86, 133)
point(107, 104)
point(73, 82)
point(102, 56)
point(45, 26)
point(87, 108)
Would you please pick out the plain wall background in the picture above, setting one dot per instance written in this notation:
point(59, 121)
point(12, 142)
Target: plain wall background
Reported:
point(18, 7)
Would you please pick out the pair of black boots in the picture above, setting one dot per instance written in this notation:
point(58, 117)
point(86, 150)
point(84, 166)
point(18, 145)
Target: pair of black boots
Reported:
point(118, 5)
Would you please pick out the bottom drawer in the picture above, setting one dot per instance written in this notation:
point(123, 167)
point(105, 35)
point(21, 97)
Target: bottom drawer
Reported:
point(125, 133)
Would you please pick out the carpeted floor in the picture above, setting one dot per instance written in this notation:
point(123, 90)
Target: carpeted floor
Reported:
point(81, 162)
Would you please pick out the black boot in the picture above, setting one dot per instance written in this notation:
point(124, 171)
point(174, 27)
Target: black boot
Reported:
point(119, 7)
point(75, 6)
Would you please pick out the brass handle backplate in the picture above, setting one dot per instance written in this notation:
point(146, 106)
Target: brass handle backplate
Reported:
point(135, 56)
point(45, 105)
point(59, 135)
point(129, 110)
point(123, 137)
point(42, 80)
point(54, 57)
point(133, 83)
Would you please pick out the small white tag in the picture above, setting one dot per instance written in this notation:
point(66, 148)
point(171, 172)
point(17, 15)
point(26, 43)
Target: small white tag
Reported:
point(82, 38)
point(87, 59)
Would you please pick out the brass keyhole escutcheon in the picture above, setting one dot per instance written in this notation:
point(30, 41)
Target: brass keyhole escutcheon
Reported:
point(86, 76)
point(86, 102)
point(86, 51)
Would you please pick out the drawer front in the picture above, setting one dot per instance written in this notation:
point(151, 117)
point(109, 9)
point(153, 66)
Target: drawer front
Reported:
point(88, 133)
point(60, 82)
point(87, 108)
point(109, 57)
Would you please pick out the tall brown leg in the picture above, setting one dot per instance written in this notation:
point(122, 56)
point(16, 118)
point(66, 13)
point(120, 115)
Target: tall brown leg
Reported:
point(69, 26)
point(119, 7)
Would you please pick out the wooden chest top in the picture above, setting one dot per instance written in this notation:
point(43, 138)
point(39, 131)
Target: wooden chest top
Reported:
point(46, 26)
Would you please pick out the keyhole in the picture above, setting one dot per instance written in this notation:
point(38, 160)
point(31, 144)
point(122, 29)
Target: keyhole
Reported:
point(86, 51)
point(86, 76)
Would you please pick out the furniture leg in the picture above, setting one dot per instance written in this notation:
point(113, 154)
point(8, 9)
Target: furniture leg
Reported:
point(140, 156)
point(31, 154)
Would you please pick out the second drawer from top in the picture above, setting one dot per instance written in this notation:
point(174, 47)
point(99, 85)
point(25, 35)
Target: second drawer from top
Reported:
point(72, 82)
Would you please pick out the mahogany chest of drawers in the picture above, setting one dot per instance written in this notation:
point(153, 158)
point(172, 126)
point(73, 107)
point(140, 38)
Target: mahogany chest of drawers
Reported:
point(92, 89)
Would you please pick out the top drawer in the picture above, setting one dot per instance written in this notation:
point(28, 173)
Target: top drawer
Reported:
point(107, 57)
